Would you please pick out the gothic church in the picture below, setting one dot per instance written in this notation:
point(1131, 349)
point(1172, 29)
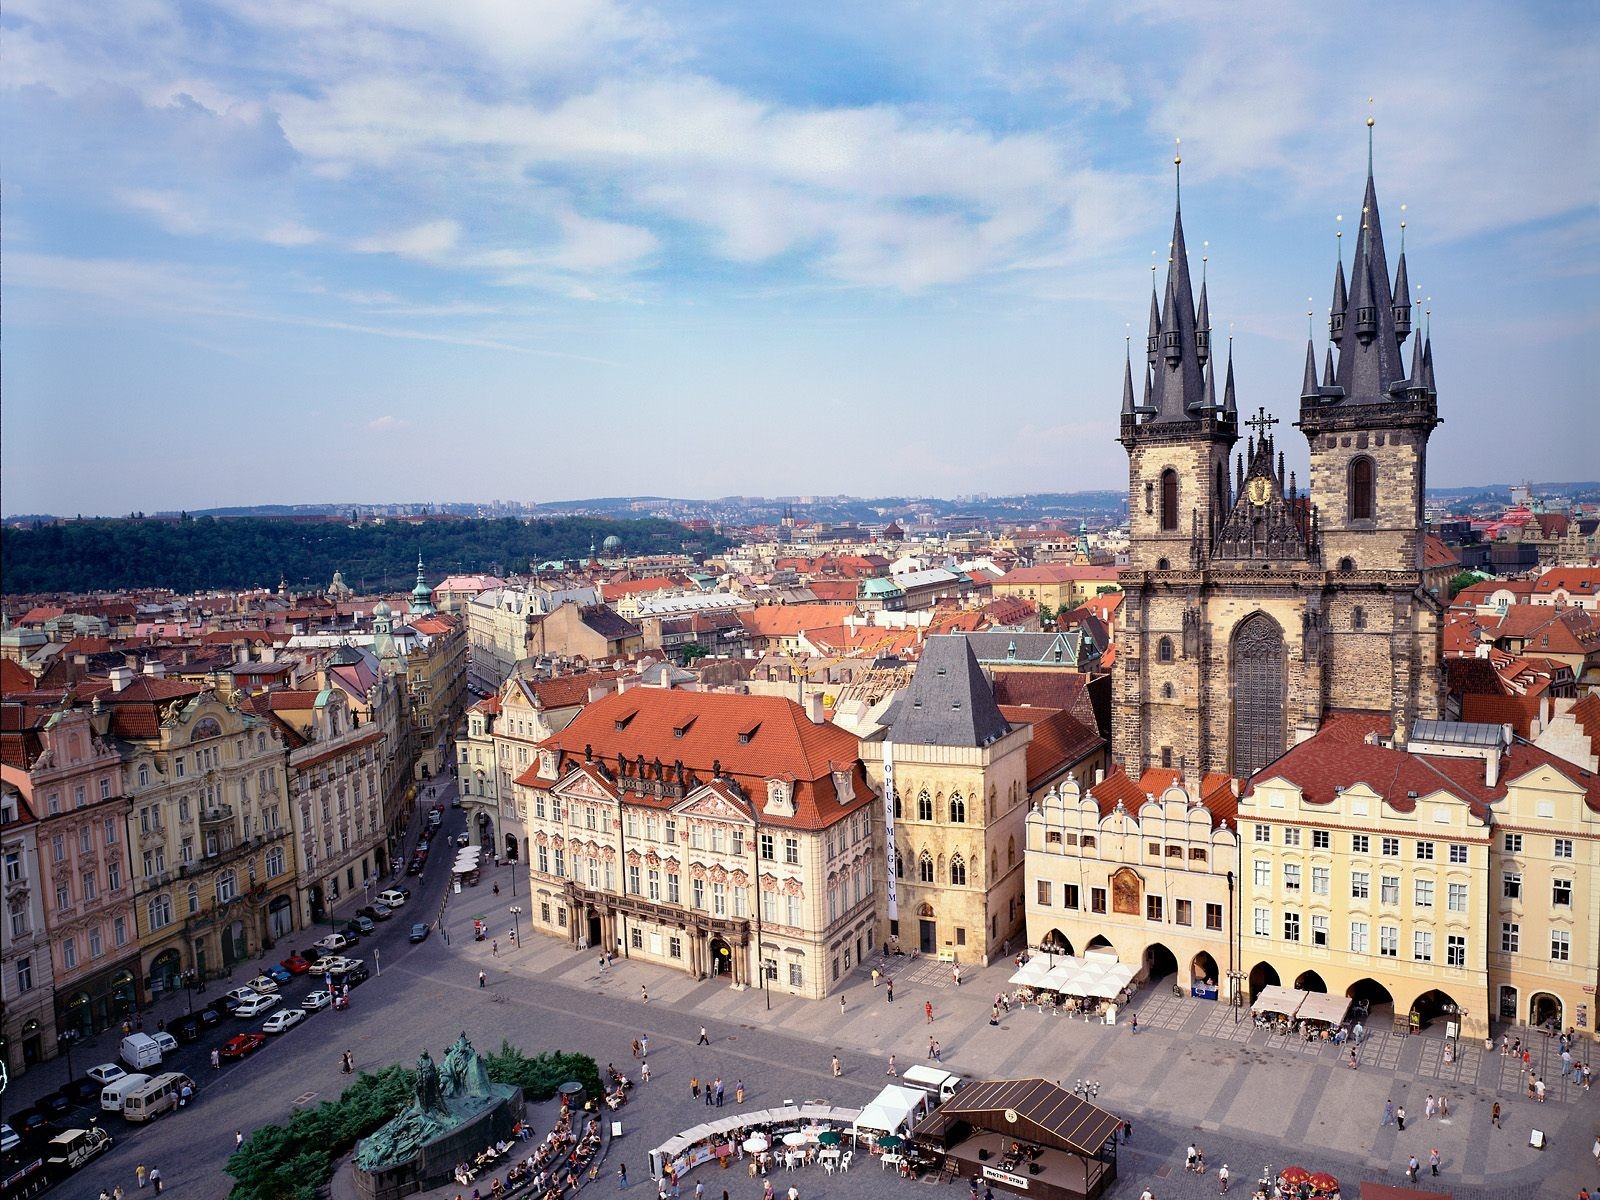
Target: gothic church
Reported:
point(1253, 607)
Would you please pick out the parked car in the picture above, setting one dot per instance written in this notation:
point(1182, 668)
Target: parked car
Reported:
point(280, 973)
point(167, 1043)
point(463, 839)
point(241, 994)
point(296, 965)
point(344, 967)
point(282, 1022)
point(188, 1029)
point(241, 1044)
point(352, 932)
point(317, 999)
point(254, 1008)
point(376, 912)
point(105, 1073)
point(10, 1139)
point(419, 932)
point(422, 845)
point(394, 897)
point(264, 984)
point(357, 974)
point(333, 943)
point(30, 1121)
point(366, 925)
point(57, 1104)
point(82, 1091)
point(213, 1013)
point(333, 964)
point(414, 867)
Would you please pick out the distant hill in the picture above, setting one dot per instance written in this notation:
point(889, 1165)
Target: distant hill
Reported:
point(191, 554)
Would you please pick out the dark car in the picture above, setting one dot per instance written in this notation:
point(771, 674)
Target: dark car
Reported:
point(419, 932)
point(352, 931)
point(29, 1121)
point(56, 1104)
point(356, 975)
point(377, 912)
point(414, 867)
point(82, 1091)
point(227, 1004)
point(211, 1014)
point(365, 924)
point(188, 1029)
point(241, 1044)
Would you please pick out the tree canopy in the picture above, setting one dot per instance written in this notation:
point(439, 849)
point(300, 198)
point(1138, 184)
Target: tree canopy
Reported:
point(195, 554)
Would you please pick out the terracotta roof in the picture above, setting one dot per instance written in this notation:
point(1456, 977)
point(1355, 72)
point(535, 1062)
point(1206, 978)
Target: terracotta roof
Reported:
point(1576, 581)
point(136, 709)
point(15, 678)
point(291, 699)
point(1057, 573)
point(1436, 555)
point(434, 624)
point(1552, 525)
point(1009, 610)
point(787, 620)
point(1550, 630)
point(1059, 742)
point(605, 622)
point(833, 590)
point(41, 614)
point(635, 587)
point(1495, 709)
point(226, 637)
point(565, 691)
point(752, 738)
point(1586, 712)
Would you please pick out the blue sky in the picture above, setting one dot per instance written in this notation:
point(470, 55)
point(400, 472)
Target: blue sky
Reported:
point(258, 251)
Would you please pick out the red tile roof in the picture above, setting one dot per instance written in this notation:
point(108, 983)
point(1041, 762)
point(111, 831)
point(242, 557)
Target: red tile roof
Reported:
point(1060, 741)
point(1057, 573)
point(788, 620)
point(14, 678)
point(752, 739)
point(637, 587)
point(1576, 581)
point(1436, 555)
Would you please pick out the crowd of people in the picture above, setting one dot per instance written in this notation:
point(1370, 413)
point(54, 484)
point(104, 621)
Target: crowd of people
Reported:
point(550, 1172)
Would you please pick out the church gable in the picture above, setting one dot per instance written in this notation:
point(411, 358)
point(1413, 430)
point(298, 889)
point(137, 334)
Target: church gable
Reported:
point(584, 784)
point(1267, 522)
point(713, 802)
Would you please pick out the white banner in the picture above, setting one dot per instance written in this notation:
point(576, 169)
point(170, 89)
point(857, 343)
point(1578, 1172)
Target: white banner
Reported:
point(888, 829)
point(1017, 1181)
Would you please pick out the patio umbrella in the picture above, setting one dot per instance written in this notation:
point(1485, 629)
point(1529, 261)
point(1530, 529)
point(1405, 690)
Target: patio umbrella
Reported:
point(891, 1141)
point(1324, 1183)
point(794, 1139)
point(756, 1143)
point(830, 1137)
point(1292, 1177)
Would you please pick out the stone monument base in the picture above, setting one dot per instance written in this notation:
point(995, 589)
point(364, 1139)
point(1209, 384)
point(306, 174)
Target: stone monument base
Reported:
point(435, 1160)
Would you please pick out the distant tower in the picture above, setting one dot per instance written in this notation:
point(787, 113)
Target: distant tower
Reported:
point(421, 595)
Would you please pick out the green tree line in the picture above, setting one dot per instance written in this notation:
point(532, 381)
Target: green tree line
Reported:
point(194, 554)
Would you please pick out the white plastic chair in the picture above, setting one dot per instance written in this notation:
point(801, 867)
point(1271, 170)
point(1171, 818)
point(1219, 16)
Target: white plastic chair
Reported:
point(844, 1163)
point(827, 1165)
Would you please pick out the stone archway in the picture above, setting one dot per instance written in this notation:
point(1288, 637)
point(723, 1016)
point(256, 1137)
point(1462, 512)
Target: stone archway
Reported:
point(1203, 969)
point(1432, 1005)
point(1159, 962)
point(1545, 1011)
point(1056, 942)
point(1100, 942)
point(1262, 974)
point(1310, 981)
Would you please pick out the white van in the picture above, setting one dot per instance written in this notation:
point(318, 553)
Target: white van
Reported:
point(140, 1050)
point(118, 1090)
point(939, 1084)
point(160, 1095)
point(167, 1043)
point(333, 943)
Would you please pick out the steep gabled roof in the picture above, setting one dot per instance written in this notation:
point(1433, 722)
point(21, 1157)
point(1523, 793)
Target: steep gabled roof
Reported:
point(949, 702)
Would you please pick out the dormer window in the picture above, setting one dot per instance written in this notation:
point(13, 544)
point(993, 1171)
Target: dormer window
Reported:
point(746, 735)
point(680, 730)
point(624, 721)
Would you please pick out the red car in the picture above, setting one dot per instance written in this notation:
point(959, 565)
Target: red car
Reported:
point(242, 1044)
point(295, 965)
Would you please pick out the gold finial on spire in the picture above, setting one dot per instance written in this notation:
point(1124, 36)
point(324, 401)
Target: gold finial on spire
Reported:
point(1311, 312)
point(1402, 229)
point(1177, 172)
point(1371, 121)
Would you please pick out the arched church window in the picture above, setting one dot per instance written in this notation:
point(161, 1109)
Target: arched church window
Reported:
point(958, 809)
point(1163, 565)
point(958, 871)
point(1363, 480)
point(1358, 617)
point(924, 806)
point(898, 813)
point(1011, 852)
point(1347, 564)
point(1166, 691)
point(1169, 499)
point(925, 867)
point(1260, 672)
point(1164, 650)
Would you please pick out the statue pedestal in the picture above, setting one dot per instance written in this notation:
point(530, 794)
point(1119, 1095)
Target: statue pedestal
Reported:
point(435, 1160)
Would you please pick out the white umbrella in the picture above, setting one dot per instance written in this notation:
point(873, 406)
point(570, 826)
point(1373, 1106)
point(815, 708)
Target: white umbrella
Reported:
point(756, 1143)
point(794, 1139)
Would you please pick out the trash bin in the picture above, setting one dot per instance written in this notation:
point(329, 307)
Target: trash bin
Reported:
point(572, 1095)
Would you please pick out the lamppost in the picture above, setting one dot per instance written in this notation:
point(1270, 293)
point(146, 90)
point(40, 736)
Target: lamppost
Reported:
point(1234, 980)
point(64, 1042)
point(516, 924)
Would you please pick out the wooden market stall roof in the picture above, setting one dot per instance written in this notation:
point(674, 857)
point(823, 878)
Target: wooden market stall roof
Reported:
point(1045, 1114)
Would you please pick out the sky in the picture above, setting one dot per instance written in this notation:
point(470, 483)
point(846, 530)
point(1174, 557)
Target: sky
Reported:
point(265, 251)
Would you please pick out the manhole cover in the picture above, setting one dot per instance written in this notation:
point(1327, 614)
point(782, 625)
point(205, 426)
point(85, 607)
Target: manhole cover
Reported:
point(305, 1097)
point(732, 1037)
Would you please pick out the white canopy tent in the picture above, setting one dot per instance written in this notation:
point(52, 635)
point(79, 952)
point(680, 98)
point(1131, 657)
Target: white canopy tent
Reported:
point(1032, 972)
point(1275, 999)
point(1319, 1006)
point(894, 1110)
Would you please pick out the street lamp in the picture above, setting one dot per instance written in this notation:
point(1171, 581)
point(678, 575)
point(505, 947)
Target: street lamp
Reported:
point(516, 924)
point(1234, 980)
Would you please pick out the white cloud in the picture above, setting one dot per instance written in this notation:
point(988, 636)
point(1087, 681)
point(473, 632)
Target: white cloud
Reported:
point(388, 423)
point(428, 241)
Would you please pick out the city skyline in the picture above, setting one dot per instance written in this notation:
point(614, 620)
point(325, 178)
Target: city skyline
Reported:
point(451, 253)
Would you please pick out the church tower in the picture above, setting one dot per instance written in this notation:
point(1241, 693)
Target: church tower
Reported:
point(1178, 440)
point(1367, 425)
point(1252, 608)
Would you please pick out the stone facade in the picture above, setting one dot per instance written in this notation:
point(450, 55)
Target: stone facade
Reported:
point(27, 1017)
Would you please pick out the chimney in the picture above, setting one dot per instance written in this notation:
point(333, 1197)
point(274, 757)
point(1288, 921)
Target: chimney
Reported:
point(1099, 775)
point(1491, 765)
point(121, 677)
point(269, 653)
point(241, 652)
point(155, 669)
point(814, 709)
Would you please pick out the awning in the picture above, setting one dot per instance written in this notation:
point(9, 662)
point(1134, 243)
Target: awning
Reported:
point(1319, 1006)
point(1032, 972)
point(894, 1110)
point(1275, 999)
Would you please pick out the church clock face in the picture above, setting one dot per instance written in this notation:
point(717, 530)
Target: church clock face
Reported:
point(1259, 490)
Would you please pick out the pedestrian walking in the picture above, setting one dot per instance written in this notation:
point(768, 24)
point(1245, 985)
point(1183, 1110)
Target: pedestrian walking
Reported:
point(1411, 1168)
point(1352, 1058)
point(1538, 1090)
point(635, 1047)
point(1433, 1161)
point(927, 1010)
point(1566, 1063)
point(1494, 1116)
point(994, 1014)
point(704, 1040)
point(836, 1071)
point(1127, 1132)
point(738, 1091)
point(139, 1174)
point(482, 979)
point(494, 947)
point(238, 1138)
point(1444, 1107)
point(888, 986)
point(644, 994)
point(1505, 1045)
point(1429, 1107)
point(710, 1098)
point(1400, 1117)
point(719, 1091)
point(875, 974)
point(1360, 1033)
point(216, 1060)
point(622, 1176)
point(931, 1044)
point(891, 1070)
point(694, 1086)
point(155, 1179)
point(1222, 1180)
point(644, 1045)
point(841, 1004)
point(644, 1072)
point(1135, 1023)
point(938, 1053)
point(117, 1192)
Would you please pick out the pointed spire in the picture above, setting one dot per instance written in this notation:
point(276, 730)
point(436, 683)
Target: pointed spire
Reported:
point(1202, 321)
point(1230, 405)
point(1308, 388)
point(1327, 369)
point(1127, 385)
point(1370, 362)
point(1153, 341)
point(1418, 372)
point(1427, 363)
point(1179, 380)
point(1149, 390)
point(1341, 304)
point(1208, 398)
point(1402, 293)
